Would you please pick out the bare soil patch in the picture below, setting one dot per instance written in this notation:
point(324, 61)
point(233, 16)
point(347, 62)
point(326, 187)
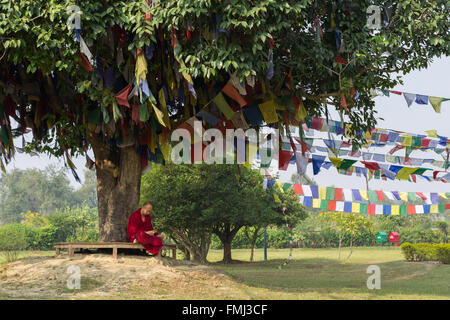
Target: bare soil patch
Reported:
point(130, 277)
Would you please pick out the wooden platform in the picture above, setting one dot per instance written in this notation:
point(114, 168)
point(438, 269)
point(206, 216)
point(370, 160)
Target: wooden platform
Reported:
point(71, 246)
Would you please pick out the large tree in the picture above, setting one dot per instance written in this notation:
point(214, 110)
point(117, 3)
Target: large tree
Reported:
point(297, 52)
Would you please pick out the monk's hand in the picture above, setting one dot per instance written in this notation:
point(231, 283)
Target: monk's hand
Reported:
point(151, 232)
point(135, 241)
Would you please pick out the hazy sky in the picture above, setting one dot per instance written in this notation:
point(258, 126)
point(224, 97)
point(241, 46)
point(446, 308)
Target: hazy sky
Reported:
point(434, 81)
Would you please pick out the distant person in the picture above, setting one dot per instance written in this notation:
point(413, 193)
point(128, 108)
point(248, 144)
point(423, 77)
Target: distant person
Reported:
point(140, 229)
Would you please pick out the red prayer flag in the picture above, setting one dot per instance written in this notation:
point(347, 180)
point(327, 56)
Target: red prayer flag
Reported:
point(371, 165)
point(380, 195)
point(332, 205)
point(371, 209)
point(285, 158)
point(85, 63)
point(411, 209)
point(122, 96)
point(298, 189)
point(230, 91)
point(338, 194)
point(343, 102)
point(421, 195)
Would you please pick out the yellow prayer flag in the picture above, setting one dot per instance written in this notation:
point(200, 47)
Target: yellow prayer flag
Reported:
point(316, 203)
point(407, 140)
point(364, 194)
point(405, 173)
point(268, 110)
point(165, 147)
point(322, 192)
point(336, 161)
point(356, 207)
point(403, 195)
point(252, 149)
point(141, 68)
point(159, 115)
point(162, 100)
point(301, 113)
point(436, 103)
point(432, 133)
point(443, 195)
point(434, 208)
point(395, 210)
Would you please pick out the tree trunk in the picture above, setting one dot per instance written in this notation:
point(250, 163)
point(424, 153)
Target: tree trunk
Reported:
point(227, 252)
point(118, 189)
point(351, 248)
point(340, 246)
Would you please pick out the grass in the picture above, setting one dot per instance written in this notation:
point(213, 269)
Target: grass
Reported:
point(26, 254)
point(318, 274)
point(312, 274)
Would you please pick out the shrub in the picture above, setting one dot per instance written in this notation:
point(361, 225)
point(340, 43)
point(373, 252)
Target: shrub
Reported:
point(426, 252)
point(408, 251)
point(443, 252)
point(12, 240)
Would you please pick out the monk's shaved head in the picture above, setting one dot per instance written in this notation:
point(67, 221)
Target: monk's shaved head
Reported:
point(146, 208)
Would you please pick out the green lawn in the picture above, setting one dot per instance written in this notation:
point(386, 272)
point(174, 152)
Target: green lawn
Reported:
point(318, 274)
point(312, 274)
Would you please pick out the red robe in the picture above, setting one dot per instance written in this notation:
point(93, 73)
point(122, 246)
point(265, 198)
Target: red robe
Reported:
point(136, 230)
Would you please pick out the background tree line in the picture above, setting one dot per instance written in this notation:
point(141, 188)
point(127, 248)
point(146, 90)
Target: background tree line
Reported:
point(43, 191)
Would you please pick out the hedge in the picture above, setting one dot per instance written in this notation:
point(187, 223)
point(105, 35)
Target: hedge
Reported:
point(426, 252)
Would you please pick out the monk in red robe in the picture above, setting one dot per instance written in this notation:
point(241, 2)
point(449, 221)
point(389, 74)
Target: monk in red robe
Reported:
point(140, 229)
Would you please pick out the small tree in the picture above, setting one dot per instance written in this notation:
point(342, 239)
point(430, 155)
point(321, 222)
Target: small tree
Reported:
point(194, 201)
point(443, 227)
point(348, 223)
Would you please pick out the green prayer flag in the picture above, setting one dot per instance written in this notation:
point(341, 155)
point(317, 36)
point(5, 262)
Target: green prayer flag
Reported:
point(143, 112)
point(412, 196)
point(4, 135)
point(417, 142)
point(223, 105)
point(373, 198)
point(441, 208)
point(363, 208)
point(346, 164)
point(403, 210)
point(330, 193)
point(324, 204)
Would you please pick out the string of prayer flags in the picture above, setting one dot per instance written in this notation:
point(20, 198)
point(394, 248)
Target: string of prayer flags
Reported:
point(340, 194)
point(290, 241)
point(421, 99)
point(373, 209)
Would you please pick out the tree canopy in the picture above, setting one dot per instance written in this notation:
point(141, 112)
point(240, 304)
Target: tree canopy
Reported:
point(193, 201)
point(135, 70)
point(199, 45)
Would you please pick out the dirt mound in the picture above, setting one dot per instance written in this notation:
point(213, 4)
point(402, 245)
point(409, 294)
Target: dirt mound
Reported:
point(102, 277)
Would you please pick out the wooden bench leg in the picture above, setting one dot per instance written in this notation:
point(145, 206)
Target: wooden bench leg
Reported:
point(174, 253)
point(57, 251)
point(115, 253)
point(71, 251)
